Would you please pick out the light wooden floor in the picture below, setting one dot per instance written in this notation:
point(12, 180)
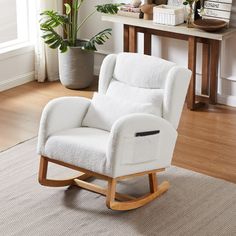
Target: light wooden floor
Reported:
point(206, 142)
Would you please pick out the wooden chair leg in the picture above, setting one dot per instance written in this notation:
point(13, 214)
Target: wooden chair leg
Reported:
point(153, 182)
point(111, 192)
point(43, 180)
point(43, 168)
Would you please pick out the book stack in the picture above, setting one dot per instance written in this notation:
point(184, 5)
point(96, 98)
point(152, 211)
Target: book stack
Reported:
point(218, 9)
point(130, 11)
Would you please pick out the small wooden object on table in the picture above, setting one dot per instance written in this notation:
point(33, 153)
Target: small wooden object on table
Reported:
point(147, 9)
point(210, 25)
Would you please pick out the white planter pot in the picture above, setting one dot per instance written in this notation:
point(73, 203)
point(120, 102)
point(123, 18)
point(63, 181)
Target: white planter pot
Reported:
point(76, 68)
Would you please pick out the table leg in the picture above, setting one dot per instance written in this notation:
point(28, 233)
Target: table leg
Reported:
point(147, 43)
point(126, 38)
point(205, 68)
point(132, 39)
point(214, 61)
point(192, 51)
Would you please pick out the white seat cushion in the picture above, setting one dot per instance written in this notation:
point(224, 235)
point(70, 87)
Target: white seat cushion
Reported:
point(83, 147)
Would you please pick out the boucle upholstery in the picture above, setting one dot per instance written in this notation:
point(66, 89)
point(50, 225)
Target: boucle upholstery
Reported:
point(105, 110)
point(61, 114)
point(141, 70)
point(150, 72)
point(125, 149)
point(130, 154)
point(88, 143)
point(129, 93)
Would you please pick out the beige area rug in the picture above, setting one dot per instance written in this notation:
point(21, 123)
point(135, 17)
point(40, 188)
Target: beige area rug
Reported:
point(195, 204)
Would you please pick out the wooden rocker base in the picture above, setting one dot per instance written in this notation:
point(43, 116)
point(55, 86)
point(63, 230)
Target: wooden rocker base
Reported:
point(114, 200)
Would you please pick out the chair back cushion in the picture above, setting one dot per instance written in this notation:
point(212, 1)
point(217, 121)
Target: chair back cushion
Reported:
point(105, 110)
point(142, 78)
point(141, 70)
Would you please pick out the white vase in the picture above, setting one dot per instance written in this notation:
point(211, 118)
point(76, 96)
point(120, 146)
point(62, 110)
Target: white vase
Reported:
point(136, 3)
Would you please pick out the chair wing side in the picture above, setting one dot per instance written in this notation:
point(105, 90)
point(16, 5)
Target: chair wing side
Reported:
point(106, 72)
point(176, 88)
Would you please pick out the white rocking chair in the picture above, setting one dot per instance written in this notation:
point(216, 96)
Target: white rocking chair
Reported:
point(128, 129)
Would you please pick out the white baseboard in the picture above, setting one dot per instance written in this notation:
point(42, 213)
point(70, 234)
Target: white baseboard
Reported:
point(221, 99)
point(16, 81)
point(231, 78)
point(226, 100)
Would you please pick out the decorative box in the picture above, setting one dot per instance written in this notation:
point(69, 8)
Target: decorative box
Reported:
point(168, 15)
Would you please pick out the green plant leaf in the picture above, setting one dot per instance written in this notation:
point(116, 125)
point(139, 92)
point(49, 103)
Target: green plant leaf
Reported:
point(55, 45)
point(51, 40)
point(45, 36)
point(98, 39)
point(68, 8)
point(52, 19)
point(108, 8)
point(54, 40)
point(49, 22)
point(190, 2)
point(63, 48)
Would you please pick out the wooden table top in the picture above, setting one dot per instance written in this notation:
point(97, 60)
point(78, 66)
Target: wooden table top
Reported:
point(179, 29)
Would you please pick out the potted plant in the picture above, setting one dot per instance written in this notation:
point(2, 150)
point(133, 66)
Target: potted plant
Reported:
point(76, 56)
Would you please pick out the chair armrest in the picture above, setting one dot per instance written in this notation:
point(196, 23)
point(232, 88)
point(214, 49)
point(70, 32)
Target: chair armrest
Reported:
point(140, 142)
point(60, 114)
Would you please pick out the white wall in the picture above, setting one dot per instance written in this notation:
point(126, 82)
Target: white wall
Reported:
point(170, 49)
point(227, 81)
point(17, 62)
point(16, 57)
point(16, 67)
point(8, 20)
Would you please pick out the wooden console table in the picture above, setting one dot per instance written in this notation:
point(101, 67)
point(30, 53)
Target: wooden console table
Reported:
point(210, 51)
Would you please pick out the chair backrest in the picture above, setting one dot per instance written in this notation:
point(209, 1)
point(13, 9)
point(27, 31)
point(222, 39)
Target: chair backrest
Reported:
point(141, 78)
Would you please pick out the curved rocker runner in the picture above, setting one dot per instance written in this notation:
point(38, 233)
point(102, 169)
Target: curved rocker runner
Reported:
point(125, 202)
